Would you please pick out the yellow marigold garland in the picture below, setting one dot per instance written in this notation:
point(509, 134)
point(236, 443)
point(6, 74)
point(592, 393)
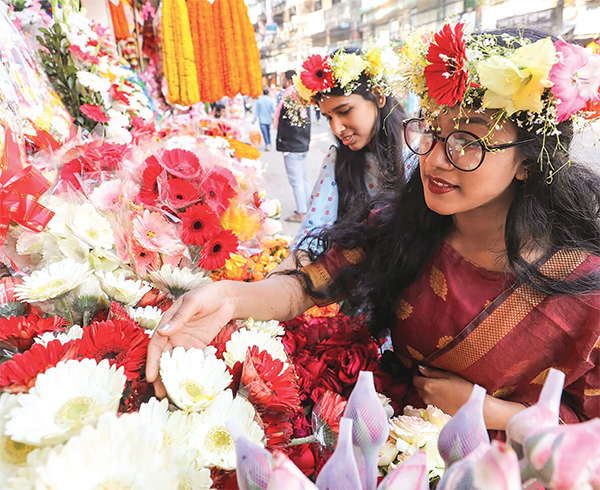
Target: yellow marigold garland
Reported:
point(178, 54)
point(251, 53)
point(240, 44)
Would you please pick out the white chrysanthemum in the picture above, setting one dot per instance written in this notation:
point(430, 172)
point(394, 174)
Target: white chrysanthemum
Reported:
point(64, 399)
point(120, 453)
point(12, 454)
point(74, 333)
point(121, 289)
point(272, 327)
point(53, 281)
point(212, 437)
point(148, 317)
point(24, 476)
point(177, 281)
point(237, 347)
point(93, 82)
point(193, 378)
point(91, 227)
point(70, 247)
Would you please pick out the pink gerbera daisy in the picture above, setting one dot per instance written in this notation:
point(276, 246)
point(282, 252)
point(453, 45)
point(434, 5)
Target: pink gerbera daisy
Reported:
point(154, 232)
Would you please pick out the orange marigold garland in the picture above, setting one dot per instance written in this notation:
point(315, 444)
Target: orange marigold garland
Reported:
point(119, 21)
point(239, 40)
point(178, 54)
point(230, 70)
point(251, 54)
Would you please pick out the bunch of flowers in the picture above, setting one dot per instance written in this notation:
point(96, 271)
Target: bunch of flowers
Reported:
point(84, 68)
point(537, 84)
point(416, 430)
point(343, 70)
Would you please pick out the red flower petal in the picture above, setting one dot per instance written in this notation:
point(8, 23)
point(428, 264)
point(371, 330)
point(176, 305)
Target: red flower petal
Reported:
point(217, 250)
point(198, 224)
point(94, 112)
point(317, 75)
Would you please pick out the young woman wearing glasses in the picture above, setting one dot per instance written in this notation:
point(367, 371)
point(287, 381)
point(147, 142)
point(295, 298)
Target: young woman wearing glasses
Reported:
point(484, 268)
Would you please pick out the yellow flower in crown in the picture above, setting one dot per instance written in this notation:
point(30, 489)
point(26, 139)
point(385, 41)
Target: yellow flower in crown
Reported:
point(347, 67)
point(374, 60)
point(517, 82)
point(303, 92)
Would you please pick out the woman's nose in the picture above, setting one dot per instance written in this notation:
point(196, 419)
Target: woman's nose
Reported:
point(437, 156)
point(336, 126)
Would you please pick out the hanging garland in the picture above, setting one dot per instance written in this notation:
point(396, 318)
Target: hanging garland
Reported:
point(119, 21)
point(230, 69)
point(251, 54)
point(178, 54)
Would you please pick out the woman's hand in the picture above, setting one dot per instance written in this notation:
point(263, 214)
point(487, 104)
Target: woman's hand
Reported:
point(449, 392)
point(194, 320)
point(443, 389)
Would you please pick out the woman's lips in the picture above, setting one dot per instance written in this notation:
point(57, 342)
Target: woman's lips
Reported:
point(439, 186)
point(348, 140)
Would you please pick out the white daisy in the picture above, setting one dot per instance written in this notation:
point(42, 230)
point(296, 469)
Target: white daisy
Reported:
point(74, 333)
point(121, 452)
point(64, 399)
point(148, 317)
point(237, 346)
point(177, 428)
point(12, 454)
point(212, 437)
point(104, 260)
point(193, 378)
point(53, 281)
point(91, 227)
point(70, 247)
point(121, 289)
point(177, 281)
point(272, 327)
point(24, 476)
point(93, 82)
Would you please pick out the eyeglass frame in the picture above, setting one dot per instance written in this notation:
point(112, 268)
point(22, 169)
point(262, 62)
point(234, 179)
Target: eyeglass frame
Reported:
point(485, 149)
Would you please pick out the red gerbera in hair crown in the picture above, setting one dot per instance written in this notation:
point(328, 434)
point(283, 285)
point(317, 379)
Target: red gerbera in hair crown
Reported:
point(217, 250)
point(447, 76)
point(317, 75)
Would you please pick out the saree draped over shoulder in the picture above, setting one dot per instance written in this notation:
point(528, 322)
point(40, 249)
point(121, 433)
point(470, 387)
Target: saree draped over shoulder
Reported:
point(502, 335)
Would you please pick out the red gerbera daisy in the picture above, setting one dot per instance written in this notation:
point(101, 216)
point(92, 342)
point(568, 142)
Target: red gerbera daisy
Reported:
point(181, 163)
point(267, 385)
point(20, 331)
point(118, 95)
point(217, 250)
point(181, 193)
point(198, 224)
point(447, 75)
point(119, 341)
point(149, 190)
point(317, 75)
point(82, 55)
point(327, 415)
point(19, 374)
point(144, 260)
point(94, 112)
point(218, 189)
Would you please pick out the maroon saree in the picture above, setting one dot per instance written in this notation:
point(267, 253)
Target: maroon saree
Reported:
point(501, 335)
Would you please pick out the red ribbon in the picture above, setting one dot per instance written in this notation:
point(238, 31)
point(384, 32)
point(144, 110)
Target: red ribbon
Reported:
point(20, 190)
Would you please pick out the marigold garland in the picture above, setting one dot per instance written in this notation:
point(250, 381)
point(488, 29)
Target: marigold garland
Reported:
point(230, 69)
point(178, 54)
point(119, 21)
point(241, 60)
point(251, 54)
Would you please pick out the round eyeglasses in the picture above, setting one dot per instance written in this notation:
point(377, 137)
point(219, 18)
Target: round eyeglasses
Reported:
point(465, 151)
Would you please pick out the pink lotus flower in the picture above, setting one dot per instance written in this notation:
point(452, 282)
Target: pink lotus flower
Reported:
point(154, 232)
point(286, 474)
point(576, 78)
point(566, 457)
point(410, 475)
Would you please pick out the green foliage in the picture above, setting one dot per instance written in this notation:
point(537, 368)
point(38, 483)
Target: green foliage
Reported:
point(62, 72)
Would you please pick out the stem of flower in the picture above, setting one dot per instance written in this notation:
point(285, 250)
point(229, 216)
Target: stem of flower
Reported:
point(303, 440)
point(86, 318)
point(67, 310)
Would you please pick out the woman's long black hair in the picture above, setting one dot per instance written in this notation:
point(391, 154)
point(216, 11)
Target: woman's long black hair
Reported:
point(551, 211)
point(387, 142)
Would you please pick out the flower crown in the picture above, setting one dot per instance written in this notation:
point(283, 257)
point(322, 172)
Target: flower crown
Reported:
point(536, 84)
point(343, 70)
